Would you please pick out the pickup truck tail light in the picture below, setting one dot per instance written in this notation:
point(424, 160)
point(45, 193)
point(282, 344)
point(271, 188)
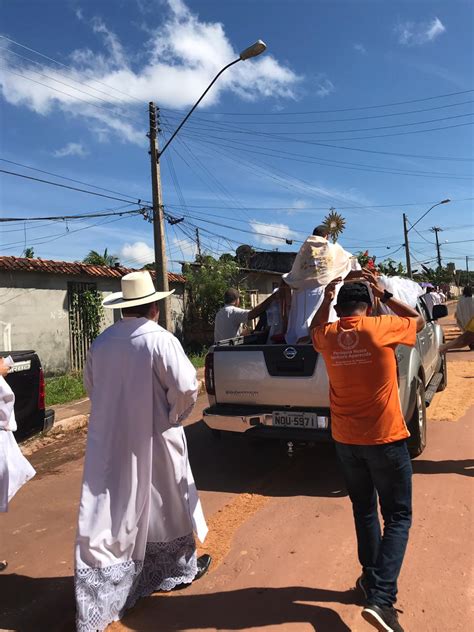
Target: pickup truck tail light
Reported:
point(209, 374)
point(42, 391)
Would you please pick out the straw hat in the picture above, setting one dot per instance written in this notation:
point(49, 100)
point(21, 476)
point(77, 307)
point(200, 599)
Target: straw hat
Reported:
point(137, 289)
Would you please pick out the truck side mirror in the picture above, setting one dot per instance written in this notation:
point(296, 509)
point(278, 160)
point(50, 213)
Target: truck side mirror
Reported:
point(439, 311)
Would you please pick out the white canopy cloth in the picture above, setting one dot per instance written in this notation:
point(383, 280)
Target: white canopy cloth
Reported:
point(15, 470)
point(139, 504)
point(317, 263)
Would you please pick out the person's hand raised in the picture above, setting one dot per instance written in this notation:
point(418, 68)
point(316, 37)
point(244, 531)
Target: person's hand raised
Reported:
point(330, 291)
point(371, 277)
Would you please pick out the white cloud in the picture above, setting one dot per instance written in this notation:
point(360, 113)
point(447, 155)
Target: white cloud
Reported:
point(271, 234)
point(71, 149)
point(181, 57)
point(360, 48)
point(325, 87)
point(419, 33)
point(139, 253)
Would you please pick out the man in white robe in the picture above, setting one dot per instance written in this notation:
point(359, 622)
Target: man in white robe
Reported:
point(318, 262)
point(15, 470)
point(139, 505)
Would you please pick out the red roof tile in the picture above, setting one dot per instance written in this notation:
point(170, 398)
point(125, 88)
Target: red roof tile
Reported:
point(21, 264)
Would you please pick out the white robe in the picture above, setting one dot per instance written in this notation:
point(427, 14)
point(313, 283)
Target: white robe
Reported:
point(139, 505)
point(464, 311)
point(15, 470)
point(317, 263)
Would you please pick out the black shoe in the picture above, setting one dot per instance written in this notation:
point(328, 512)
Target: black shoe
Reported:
point(3, 565)
point(203, 564)
point(383, 618)
point(362, 585)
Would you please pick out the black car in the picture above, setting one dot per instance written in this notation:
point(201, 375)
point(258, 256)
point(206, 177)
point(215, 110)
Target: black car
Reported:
point(26, 379)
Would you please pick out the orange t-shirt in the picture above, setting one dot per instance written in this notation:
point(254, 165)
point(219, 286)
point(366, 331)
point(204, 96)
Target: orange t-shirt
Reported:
point(359, 352)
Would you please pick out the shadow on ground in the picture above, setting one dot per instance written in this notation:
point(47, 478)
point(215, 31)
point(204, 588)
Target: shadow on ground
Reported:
point(238, 464)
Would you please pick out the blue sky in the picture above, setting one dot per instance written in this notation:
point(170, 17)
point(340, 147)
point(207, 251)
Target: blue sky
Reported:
point(332, 115)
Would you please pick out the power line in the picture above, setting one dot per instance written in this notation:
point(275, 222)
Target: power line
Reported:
point(323, 208)
point(64, 186)
point(353, 109)
point(341, 120)
point(326, 162)
point(55, 61)
point(67, 217)
point(58, 175)
point(68, 85)
point(68, 94)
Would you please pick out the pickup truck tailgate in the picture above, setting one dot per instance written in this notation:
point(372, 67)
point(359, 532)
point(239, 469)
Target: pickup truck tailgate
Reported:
point(273, 375)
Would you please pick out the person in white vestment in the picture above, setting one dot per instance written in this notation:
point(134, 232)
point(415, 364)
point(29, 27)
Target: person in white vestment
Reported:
point(15, 470)
point(318, 262)
point(139, 505)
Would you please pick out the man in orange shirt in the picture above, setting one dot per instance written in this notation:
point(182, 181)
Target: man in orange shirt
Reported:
point(370, 432)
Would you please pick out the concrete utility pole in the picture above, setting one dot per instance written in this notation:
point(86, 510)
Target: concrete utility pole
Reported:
point(161, 266)
point(198, 243)
point(407, 247)
point(436, 230)
point(467, 270)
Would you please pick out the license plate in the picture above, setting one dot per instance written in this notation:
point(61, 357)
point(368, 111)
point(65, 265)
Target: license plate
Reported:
point(284, 419)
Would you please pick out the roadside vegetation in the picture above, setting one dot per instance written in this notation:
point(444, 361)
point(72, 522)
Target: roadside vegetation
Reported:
point(64, 389)
point(67, 388)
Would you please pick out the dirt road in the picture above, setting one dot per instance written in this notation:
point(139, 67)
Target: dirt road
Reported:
point(281, 536)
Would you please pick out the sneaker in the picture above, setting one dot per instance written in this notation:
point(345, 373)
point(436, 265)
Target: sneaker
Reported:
point(382, 618)
point(362, 585)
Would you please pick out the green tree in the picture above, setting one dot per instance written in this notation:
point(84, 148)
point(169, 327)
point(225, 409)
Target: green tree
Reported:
point(96, 259)
point(29, 253)
point(206, 281)
point(390, 267)
point(437, 276)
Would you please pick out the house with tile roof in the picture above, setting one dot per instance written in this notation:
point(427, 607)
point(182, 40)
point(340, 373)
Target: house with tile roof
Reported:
point(39, 307)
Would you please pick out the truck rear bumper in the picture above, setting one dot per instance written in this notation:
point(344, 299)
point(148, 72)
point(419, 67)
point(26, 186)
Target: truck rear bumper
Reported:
point(48, 419)
point(260, 424)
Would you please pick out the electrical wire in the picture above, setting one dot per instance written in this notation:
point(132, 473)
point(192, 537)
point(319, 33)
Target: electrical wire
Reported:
point(65, 186)
point(353, 109)
point(58, 175)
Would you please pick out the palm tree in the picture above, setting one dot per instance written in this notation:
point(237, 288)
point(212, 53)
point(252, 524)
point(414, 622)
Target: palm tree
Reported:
point(335, 223)
point(95, 258)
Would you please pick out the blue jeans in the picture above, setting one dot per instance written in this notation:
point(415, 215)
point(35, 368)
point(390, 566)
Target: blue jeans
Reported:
point(384, 470)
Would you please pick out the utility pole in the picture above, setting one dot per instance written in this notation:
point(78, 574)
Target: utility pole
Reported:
point(161, 267)
point(407, 247)
point(198, 243)
point(436, 230)
point(467, 270)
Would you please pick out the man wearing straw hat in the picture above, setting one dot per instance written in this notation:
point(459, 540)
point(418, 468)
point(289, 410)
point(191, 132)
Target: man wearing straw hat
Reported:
point(139, 506)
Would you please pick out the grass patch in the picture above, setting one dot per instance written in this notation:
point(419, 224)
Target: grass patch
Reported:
point(197, 360)
point(64, 389)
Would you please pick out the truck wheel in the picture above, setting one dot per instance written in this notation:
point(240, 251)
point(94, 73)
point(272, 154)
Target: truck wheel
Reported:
point(443, 369)
point(417, 424)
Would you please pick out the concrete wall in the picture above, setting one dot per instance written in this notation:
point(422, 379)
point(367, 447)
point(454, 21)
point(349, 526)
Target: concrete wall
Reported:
point(263, 282)
point(34, 314)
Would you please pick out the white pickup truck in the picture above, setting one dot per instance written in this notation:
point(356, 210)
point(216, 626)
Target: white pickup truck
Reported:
point(282, 391)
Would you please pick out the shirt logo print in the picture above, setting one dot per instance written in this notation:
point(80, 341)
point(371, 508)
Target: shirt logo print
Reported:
point(348, 339)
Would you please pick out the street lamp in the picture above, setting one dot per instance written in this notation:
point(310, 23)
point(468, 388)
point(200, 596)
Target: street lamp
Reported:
point(406, 230)
point(158, 217)
point(256, 49)
point(430, 209)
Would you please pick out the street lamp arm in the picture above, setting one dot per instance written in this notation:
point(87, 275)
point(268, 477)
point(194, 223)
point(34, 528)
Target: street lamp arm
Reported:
point(426, 213)
point(196, 104)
